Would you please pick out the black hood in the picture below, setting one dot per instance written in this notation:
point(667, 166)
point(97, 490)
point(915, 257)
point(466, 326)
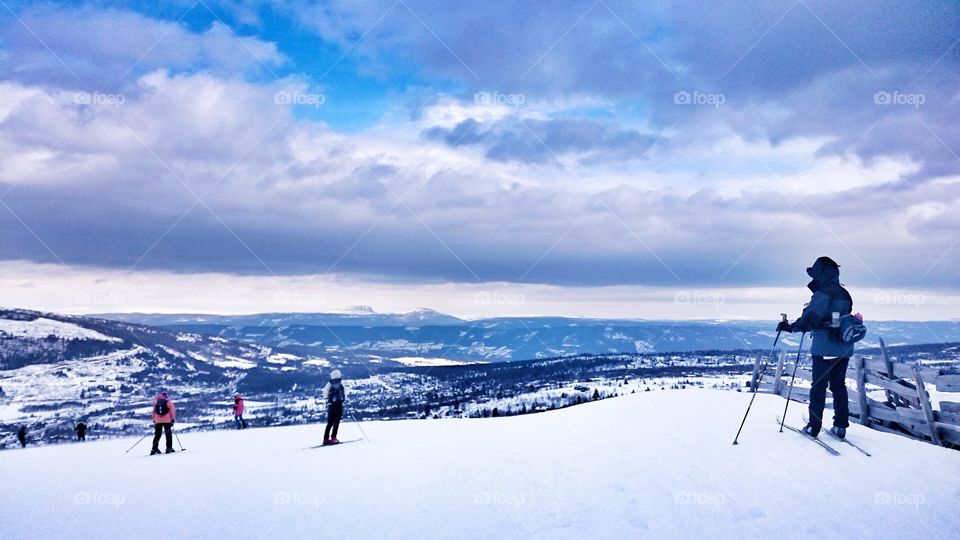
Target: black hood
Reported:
point(825, 274)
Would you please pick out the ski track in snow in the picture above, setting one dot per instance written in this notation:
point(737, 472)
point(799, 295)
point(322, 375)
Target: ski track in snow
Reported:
point(647, 465)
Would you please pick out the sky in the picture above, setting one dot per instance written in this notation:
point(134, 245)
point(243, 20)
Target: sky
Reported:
point(588, 158)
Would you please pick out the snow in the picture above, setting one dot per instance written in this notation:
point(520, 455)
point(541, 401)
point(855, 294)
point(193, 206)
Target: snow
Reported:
point(172, 352)
point(41, 327)
point(234, 362)
point(419, 361)
point(648, 465)
point(321, 362)
point(281, 358)
point(45, 383)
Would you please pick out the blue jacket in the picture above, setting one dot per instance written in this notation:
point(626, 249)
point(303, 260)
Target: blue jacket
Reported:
point(817, 317)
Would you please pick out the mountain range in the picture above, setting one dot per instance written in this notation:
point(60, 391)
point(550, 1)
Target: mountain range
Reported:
point(425, 333)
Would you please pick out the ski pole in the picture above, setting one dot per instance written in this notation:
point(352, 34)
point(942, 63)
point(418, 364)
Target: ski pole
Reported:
point(792, 377)
point(783, 317)
point(136, 443)
point(177, 435)
point(359, 427)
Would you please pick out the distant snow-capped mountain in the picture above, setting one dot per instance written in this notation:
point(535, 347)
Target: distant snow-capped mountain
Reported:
point(351, 316)
point(425, 333)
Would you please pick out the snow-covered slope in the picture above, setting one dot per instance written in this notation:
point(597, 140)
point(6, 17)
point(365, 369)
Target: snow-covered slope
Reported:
point(43, 328)
point(649, 465)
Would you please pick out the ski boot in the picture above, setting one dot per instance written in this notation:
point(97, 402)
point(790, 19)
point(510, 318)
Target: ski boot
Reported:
point(334, 441)
point(169, 451)
point(838, 432)
point(810, 430)
point(154, 452)
point(327, 442)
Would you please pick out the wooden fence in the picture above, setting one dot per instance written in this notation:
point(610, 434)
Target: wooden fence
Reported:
point(905, 408)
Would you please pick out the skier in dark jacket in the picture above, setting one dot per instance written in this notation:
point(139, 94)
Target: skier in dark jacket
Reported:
point(820, 317)
point(333, 394)
point(22, 436)
point(81, 430)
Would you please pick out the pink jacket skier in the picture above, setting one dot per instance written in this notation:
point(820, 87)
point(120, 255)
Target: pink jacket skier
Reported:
point(238, 411)
point(171, 410)
point(164, 414)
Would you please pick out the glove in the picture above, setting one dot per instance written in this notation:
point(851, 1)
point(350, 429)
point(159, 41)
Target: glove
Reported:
point(784, 326)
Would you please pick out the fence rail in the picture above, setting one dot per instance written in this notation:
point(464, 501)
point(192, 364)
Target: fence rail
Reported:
point(905, 408)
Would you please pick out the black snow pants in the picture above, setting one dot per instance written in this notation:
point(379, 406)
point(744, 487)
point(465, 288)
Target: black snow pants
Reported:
point(334, 414)
point(833, 372)
point(166, 429)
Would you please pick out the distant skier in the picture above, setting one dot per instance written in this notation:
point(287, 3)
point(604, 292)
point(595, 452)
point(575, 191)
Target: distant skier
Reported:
point(164, 414)
point(334, 395)
point(81, 430)
point(22, 436)
point(238, 411)
point(830, 353)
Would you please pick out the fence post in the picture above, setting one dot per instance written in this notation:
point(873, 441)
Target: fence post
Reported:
point(925, 405)
point(891, 397)
point(777, 380)
point(862, 391)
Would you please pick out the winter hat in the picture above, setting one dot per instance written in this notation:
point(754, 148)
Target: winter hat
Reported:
point(164, 394)
point(819, 264)
point(237, 394)
point(335, 375)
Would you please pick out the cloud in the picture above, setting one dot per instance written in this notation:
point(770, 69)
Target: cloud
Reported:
point(540, 141)
point(603, 177)
point(784, 69)
point(92, 49)
point(118, 185)
point(79, 290)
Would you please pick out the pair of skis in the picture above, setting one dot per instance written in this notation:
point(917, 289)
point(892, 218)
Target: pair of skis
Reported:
point(843, 440)
point(833, 451)
point(336, 444)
